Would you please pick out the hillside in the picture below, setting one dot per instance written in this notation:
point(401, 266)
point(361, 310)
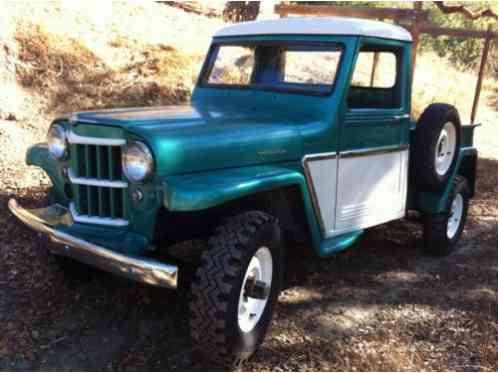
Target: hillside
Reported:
point(383, 306)
point(61, 57)
point(65, 57)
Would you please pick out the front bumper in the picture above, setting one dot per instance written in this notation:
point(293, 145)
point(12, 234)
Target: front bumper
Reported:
point(140, 269)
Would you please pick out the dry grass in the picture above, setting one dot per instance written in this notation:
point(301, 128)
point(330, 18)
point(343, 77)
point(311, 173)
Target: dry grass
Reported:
point(437, 80)
point(72, 77)
point(382, 306)
point(69, 56)
point(118, 54)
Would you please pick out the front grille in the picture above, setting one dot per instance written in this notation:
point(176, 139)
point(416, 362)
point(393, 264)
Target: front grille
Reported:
point(98, 162)
point(102, 202)
point(99, 191)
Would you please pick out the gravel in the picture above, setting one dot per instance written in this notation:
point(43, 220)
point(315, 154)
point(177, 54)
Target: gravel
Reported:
point(381, 305)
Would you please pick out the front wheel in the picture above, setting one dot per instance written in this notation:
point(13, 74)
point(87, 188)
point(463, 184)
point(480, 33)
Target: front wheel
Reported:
point(236, 287)
point(442, 231)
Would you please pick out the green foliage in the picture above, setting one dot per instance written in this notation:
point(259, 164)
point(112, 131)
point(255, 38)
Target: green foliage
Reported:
point(465, 53)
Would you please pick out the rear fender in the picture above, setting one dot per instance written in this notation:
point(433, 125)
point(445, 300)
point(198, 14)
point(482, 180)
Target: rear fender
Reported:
point(435, 203)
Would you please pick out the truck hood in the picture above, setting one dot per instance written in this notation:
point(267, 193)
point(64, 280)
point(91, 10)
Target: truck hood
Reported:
point(188, 138)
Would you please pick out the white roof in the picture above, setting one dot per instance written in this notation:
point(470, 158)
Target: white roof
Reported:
point(317, 26)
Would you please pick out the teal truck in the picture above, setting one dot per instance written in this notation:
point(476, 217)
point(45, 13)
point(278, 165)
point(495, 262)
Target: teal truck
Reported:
point(298, 131)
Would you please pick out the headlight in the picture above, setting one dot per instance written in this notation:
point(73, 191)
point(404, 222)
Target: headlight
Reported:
point(56, 140)
point(138, 162)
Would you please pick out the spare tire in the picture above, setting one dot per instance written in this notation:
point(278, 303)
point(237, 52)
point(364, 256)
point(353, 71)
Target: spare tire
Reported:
point(436, 146)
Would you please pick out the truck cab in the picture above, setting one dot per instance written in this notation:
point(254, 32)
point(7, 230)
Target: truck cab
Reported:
point(298, 129)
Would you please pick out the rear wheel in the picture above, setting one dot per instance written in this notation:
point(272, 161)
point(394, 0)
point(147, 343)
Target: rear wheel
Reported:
point(235, 288)
point(442, 231)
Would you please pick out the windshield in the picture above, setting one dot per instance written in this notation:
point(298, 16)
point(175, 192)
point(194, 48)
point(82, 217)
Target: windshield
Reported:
point(302, 68)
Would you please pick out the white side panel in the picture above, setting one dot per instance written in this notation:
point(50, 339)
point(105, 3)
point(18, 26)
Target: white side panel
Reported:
point(372, 190)
point(323, 174)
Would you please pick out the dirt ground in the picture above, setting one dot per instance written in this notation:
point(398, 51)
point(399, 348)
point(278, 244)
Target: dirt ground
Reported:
point(382, 305)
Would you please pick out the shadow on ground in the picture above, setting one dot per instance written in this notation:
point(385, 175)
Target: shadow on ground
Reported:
point(382, 305)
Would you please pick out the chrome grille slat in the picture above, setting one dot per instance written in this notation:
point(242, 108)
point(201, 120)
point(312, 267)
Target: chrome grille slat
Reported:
point(98, 164)
point(81, 218)
point(96, 182)
point(89, 199)
point(110, 165)
point(88, 171)
point(77, 139)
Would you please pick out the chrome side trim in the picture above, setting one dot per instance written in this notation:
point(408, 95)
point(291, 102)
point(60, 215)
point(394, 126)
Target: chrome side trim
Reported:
point(73, 138)
point(95, 219)
point(372, 151)
point(401, 116)
point(319, 156)
point(141, 269)
point(96, 182)
point(307, 174)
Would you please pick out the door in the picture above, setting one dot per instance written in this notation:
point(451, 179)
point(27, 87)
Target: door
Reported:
point(372, 170)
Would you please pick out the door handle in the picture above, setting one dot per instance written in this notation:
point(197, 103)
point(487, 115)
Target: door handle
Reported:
point(401, 117)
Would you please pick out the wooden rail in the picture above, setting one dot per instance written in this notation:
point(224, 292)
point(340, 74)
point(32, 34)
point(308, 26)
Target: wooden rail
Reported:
point(349, 11)
point(435, 31)
point(487, 47)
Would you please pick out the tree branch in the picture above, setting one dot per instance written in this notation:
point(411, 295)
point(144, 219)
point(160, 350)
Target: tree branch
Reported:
point(449, 9)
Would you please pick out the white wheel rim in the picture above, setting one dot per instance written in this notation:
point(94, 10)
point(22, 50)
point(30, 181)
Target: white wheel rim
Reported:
point(251, 309)
point(455, 218)
point(445, 148)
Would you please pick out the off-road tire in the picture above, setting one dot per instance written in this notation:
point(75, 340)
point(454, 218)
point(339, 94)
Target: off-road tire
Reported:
point(216, 287)
point(435, 236)
point(427, 132)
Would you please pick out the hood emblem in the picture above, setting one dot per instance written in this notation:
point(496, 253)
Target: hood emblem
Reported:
point(263, 153)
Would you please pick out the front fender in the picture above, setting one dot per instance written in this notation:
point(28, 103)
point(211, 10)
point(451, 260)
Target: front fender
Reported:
point(38, 155)
point(204, 190)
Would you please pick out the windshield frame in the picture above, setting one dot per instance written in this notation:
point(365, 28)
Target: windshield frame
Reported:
point(215, 47)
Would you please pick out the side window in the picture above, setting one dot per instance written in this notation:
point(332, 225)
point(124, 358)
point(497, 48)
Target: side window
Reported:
point(375, 81)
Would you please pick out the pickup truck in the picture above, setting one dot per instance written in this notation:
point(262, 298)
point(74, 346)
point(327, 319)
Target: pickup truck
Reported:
point(298, 131)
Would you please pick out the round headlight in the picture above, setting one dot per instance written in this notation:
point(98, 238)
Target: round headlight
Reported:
point(56, 140)
point(138, 162)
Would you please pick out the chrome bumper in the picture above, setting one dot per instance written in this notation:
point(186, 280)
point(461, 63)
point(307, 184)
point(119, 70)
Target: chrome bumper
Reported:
point(144, 270)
